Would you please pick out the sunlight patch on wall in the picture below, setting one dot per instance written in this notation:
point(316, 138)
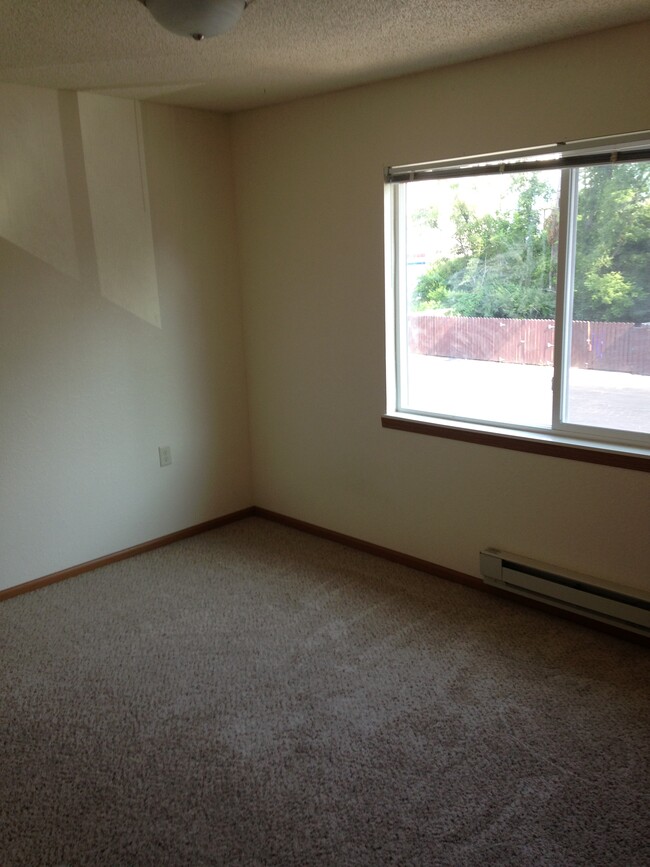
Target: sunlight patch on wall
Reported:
point(118, 194)
point(35, 211)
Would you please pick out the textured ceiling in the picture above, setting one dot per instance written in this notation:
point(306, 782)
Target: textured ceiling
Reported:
point(280, 49)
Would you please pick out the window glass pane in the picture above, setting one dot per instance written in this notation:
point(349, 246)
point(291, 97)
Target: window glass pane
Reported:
point(609, 376)
point(478, 302)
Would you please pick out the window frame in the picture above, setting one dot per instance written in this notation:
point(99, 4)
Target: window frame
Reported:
point(563, 439)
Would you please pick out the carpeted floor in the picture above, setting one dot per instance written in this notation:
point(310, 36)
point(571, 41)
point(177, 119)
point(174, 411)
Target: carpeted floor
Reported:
point(256, 696)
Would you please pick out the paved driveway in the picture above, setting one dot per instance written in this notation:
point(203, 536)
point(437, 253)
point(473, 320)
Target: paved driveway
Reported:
point(521, 394)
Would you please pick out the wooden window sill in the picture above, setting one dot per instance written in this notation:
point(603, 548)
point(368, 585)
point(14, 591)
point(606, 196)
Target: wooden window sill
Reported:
point(523, 441)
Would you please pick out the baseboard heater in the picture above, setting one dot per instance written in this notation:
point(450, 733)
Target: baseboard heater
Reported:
point(624, 607)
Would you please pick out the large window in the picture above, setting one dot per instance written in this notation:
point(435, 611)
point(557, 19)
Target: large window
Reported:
point(519, 295)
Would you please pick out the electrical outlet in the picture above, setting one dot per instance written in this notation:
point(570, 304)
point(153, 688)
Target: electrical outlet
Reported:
point(165, 455)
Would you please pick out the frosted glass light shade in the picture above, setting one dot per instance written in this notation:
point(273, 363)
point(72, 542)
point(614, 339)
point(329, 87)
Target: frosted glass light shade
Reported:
point(196, 18)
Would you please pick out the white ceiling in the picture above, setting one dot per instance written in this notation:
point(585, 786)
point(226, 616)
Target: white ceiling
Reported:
point(280, 49)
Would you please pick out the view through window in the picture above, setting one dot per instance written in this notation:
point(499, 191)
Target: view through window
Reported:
point(523, 294)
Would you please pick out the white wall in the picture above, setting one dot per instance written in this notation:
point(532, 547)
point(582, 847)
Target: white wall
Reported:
point(310, 220)
point(120, 328)
point(120, 324)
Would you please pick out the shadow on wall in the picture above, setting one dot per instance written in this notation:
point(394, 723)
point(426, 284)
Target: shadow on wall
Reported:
point(75, 192)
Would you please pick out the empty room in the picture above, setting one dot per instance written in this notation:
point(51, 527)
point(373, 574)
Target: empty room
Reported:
point(325, 426)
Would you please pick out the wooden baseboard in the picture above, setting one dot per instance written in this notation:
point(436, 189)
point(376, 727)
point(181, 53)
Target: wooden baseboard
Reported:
point(371, 548)
point(449, 575)
point(342, 539)
point(161, 541)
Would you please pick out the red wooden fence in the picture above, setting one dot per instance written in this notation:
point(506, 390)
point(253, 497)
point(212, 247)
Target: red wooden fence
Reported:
point(620, 346)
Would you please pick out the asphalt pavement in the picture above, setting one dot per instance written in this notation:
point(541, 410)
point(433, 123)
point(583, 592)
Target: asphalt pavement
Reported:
point(521, 394)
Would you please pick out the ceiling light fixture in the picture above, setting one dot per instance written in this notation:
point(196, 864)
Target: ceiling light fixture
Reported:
point(197, 18)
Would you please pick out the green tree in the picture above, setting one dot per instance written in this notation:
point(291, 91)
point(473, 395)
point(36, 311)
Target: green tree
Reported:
point(612, 275)
point(504, 264)
point(427, 217)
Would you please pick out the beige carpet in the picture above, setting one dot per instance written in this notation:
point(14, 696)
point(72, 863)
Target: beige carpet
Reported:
point(256, 696)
